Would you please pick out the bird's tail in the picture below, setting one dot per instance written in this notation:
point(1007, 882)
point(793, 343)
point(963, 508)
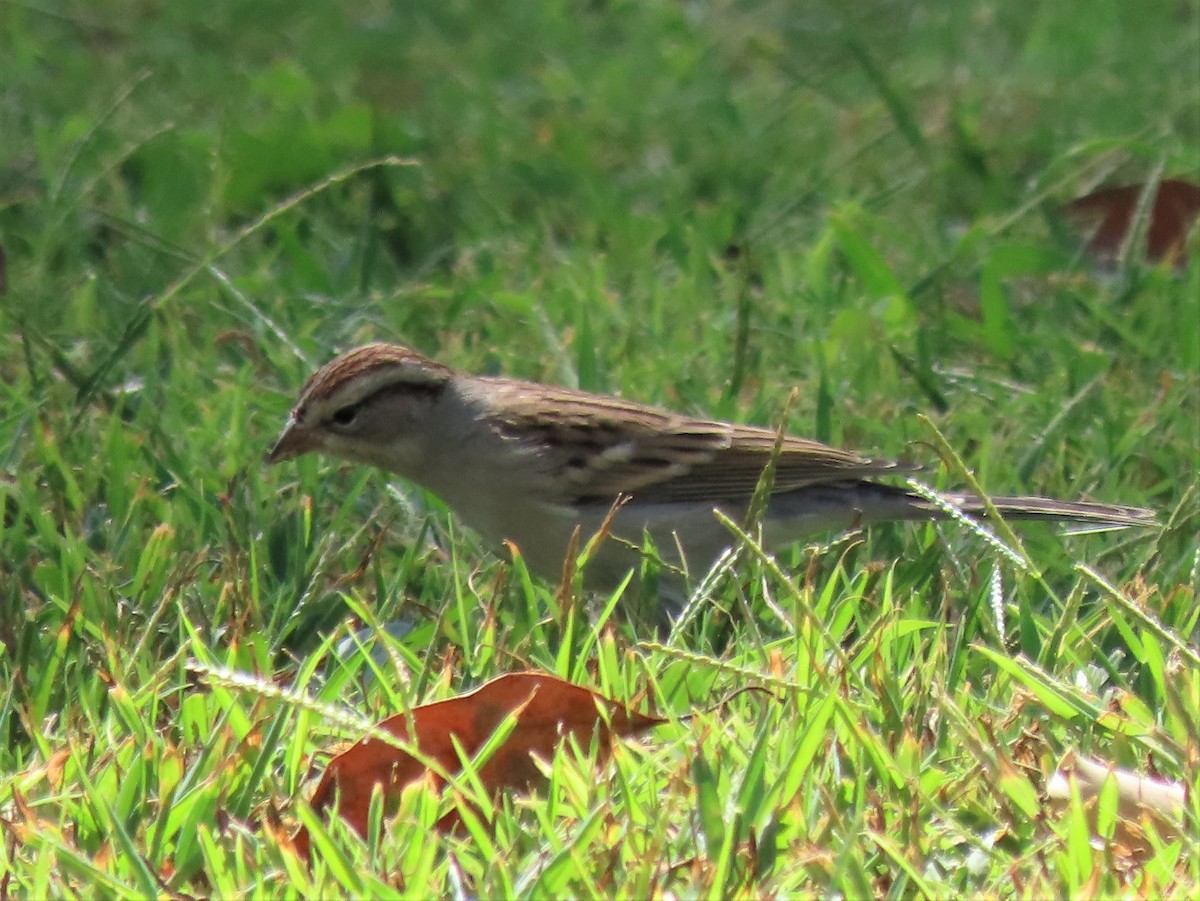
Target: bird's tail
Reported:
point(852, 504)
point(1078, 515)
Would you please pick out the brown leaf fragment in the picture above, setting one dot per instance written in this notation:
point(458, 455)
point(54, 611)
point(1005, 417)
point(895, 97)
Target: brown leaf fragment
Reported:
point(547, 710)
point(1170, 218)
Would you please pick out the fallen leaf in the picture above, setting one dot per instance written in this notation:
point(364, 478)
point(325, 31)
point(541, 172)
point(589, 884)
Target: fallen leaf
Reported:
point(1170, 218)
point(547, 709)
point(1137, 796)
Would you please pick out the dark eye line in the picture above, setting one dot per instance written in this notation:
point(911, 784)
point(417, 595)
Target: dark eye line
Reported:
point(345, 415)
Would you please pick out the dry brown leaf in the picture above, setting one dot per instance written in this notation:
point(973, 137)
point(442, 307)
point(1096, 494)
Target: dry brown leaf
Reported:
point(1171, 216)
point(547, 709)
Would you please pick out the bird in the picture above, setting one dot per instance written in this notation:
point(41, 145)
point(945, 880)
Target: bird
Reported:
point(528, 464)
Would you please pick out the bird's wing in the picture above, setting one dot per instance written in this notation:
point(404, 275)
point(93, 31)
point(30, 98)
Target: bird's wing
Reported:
point(595, 448)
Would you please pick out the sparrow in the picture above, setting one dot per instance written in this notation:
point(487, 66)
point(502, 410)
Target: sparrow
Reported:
point(529, 464)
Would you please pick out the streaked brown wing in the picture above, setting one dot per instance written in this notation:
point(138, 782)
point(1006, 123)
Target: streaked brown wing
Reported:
point(733, 473)
point(602, 447)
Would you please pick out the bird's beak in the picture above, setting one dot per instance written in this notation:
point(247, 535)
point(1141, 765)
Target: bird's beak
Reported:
point(294, 441)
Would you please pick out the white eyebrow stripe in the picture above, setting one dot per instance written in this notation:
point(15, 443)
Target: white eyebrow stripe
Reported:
point(363, 384)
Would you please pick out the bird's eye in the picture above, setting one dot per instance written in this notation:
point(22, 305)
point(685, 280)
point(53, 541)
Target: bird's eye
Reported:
point(345, 415)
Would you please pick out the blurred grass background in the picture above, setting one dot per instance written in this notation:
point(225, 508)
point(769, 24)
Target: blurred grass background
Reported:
point(701, 205)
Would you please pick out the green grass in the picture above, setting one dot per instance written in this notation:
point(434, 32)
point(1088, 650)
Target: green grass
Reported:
point(699, 205)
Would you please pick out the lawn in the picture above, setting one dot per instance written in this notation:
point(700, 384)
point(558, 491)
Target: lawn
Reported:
point(700, 205)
